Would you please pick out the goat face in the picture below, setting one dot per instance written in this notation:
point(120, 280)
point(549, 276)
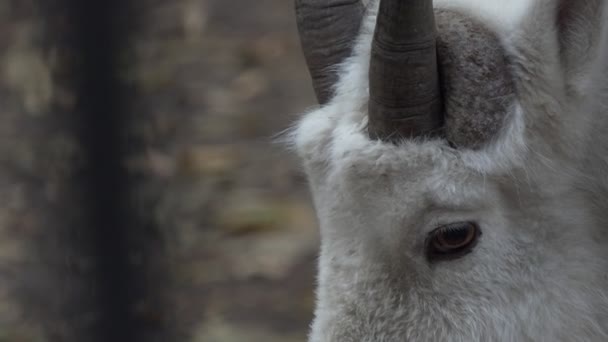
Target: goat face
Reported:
point(487, 224)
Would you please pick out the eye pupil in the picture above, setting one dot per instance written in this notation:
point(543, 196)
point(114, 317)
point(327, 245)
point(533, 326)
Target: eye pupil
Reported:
point(452, 241)
point(454, 237)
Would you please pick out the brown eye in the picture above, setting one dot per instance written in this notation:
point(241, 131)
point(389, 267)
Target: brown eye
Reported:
point(452, 241)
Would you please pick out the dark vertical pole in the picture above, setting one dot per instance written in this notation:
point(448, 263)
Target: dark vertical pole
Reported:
point(99, 33)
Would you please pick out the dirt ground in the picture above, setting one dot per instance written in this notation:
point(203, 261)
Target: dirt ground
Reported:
point(216, 81)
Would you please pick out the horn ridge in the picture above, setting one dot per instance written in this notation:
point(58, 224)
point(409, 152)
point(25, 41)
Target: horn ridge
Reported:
point(327, 31)
point(405, 99)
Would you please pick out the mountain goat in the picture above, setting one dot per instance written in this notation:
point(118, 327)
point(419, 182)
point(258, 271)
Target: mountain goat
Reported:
point(459, 168)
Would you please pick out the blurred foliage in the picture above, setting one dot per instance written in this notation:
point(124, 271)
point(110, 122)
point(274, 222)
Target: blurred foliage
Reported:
point(214, 80)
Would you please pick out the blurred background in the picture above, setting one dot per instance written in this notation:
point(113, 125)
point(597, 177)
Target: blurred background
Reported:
point(226, 239)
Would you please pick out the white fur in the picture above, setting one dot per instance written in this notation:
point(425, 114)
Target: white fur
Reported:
point(538, 192)
point(503, 15)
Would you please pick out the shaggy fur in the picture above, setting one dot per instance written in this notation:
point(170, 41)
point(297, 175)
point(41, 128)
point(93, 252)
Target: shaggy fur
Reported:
point(535, 182)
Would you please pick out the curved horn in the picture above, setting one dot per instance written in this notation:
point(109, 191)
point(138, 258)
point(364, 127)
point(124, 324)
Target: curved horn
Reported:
point(327, 30)
point(405, 99)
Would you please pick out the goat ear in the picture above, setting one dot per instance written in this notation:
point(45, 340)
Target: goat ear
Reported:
point(581, 28)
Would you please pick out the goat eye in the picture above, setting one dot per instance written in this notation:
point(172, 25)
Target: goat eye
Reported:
point(452, 241)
